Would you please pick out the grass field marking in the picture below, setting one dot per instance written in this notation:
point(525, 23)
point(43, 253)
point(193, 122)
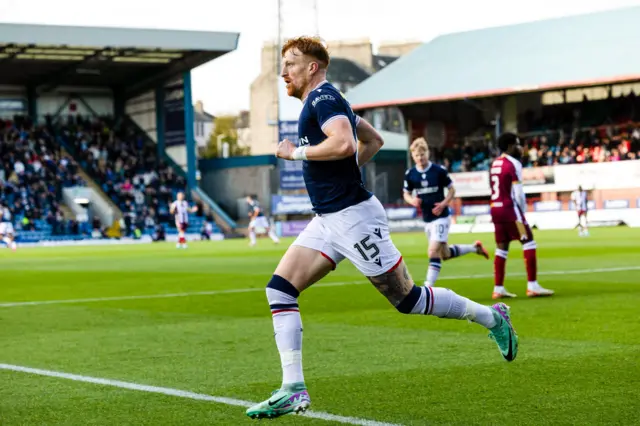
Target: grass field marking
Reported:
point(183, 394)
point(133, 297)
point(254, 289)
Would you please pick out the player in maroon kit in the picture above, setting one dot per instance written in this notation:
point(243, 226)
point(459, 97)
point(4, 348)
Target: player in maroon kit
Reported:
point(508, 204)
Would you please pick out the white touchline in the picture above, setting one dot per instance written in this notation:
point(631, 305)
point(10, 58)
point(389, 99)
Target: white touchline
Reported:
point(183, 394)
point(249, 290)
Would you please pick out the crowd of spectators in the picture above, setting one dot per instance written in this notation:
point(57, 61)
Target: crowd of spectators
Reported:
point(33, 172)
point(565, 133)
point(548, 148)
point(127, 168)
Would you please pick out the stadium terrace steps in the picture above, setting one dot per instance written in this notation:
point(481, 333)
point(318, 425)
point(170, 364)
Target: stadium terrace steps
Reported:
point(91, 183)
point(224, 222)
point(67, 213)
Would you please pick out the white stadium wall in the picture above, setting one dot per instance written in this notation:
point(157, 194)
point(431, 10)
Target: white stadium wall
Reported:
point(599, 176)
point(142, 110)
point(614, 196)
point(99, 100)
point(614, 199)
point(13, 101)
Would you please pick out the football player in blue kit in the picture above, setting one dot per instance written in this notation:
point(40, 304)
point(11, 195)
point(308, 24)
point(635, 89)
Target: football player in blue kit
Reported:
point(424, 186)
point(350, 223)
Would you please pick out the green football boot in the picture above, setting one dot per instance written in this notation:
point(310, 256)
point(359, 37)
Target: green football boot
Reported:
point(282, 401)
point(503, 333)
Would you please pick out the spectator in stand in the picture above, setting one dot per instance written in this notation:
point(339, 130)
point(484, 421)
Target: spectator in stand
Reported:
point(34, 170)
point(600, 144)
point(126, 168)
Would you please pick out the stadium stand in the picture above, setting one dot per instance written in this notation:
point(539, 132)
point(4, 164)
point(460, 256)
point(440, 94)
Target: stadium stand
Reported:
point(34, 171)
point(88, 90)
point(585, 133)
point(125, 164)
point(579, 110)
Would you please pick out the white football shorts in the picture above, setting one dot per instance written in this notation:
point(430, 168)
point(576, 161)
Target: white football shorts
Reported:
point(259, 222)
point(359, 233)
point(6, 228)
point(438, 230)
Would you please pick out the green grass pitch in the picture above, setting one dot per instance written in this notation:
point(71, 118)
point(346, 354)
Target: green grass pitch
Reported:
point(578, 362)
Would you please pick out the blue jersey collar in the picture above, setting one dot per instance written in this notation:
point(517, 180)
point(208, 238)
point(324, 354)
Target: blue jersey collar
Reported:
point(426, 169)
point(315, 88)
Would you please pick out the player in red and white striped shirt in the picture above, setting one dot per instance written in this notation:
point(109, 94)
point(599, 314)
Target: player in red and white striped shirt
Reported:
point(180, 209)
point(580, 200)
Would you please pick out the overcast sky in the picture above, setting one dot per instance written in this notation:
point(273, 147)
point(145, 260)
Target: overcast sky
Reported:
point(223, 84)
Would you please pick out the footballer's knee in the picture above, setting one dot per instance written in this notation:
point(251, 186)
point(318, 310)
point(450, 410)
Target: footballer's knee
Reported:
point(435, 250)
point(278, 286)
point(407, 304)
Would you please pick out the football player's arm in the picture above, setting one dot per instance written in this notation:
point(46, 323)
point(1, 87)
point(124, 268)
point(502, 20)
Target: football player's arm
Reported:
point(450, 195)
point(407, 192)
point(339, 144)
point(519, 196)
point(448, 183)
point(332, 115)
point(518, 189)
point(410, 199)
point(172, 208)
point(369, 141)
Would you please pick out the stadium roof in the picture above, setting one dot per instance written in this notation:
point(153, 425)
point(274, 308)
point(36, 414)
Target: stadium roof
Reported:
point(128, 59)
point(574, 51)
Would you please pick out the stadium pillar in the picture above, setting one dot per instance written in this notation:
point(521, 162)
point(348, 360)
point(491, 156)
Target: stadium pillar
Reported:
point(509, 113)
point(32, 103)
point(190, 142)
point(118, 104)
point(160, 121)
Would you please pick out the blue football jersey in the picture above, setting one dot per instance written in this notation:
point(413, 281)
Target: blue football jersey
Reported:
point(429, 185)
point(253, 206)
point(332, 185)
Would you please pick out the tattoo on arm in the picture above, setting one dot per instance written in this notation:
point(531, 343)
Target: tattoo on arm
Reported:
point(394, 285)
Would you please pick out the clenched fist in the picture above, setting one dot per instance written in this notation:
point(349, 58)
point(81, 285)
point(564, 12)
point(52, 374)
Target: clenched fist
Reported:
point(285, 149)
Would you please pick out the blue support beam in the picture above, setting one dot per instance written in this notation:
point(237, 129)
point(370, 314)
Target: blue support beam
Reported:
point(190, 141)
point(160, 121)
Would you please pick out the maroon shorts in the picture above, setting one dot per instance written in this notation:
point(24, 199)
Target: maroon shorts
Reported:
point(506, 232)
point(581, 213)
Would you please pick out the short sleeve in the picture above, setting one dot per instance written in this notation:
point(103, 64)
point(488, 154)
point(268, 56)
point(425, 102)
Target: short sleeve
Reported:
point(408, 185)
point(327, 108)
point(517, 170)
point(445, 179)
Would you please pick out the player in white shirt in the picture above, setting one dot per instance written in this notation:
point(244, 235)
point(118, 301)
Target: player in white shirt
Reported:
point(180, 209)
point(580, 199)
point(6, 228)
point(258, 220)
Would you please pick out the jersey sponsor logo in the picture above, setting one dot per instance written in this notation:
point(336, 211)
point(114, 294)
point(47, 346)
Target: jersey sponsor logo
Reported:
point(304, 141)
point(427, 190)
point(322, 98)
